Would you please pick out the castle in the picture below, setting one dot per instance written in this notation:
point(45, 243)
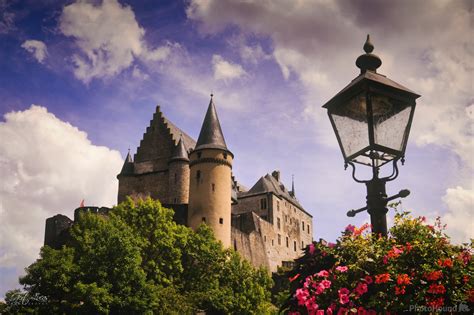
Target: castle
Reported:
point(266, 224)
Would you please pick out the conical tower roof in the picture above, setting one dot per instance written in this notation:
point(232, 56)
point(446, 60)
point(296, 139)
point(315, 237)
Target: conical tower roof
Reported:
point(127, 167)
point(180, 153)
point(211, 136)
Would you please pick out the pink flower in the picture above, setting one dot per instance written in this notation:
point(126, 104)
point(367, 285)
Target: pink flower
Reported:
point(342, 311)
point(331, 245)
point(343, 298)
point(319, 288)
point(341, 268)
point(361, 288)
point(329, 311)
point(301, 295)
point(368, 279)
point(326, 284)
point(320, 312)
point(323, 273)
point(311, 249)
point(343, 291)
point(350, 228)
point(311, 305)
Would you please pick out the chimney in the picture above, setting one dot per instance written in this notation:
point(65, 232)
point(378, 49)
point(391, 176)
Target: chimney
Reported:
point(276, 175)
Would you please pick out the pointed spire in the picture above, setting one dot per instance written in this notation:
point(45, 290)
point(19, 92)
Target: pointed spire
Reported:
point(211, 136)
point(180, 153)
point(127, 167)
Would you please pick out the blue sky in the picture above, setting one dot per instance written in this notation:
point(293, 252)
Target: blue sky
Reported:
point(95, 71)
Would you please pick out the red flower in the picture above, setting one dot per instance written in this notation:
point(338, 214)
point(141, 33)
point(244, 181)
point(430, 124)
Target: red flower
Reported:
point(403, 279)
point(435, 302)
point(434, 275)
point(368, 279)
point(294, 278)
point(408, 247)
point(400, 290)
point(465, 279)
point(445, 263)
point(436, 289)
point(382, 278)
point(361, 288)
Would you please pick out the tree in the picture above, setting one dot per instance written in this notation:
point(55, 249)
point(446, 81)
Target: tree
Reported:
point(415, 269)
point(138, 260)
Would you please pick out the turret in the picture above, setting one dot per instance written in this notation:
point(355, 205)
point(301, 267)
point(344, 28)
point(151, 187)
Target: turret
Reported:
point(179, 175)
point(210, 179)
point(126, 172)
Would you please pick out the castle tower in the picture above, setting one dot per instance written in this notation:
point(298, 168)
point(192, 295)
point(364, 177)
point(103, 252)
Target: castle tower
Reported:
point(210, 179)
point(127, 170)
point(179, 175)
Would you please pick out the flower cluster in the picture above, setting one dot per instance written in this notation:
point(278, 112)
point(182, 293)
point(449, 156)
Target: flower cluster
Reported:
point(362, 274)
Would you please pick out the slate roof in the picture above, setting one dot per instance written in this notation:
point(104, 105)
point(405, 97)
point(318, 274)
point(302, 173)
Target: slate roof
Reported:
point(269, 184)
point(127, 167)
point(211, 136)
point(177, 133)
point(180, 153)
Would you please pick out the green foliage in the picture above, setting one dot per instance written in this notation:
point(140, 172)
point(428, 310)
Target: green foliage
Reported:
point(415, 266)
point(137, 260)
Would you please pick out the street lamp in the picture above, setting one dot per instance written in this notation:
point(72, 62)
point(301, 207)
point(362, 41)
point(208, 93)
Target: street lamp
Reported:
point(372, 117)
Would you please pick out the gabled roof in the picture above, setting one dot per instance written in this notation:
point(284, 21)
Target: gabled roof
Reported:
point(211, 136)
point(180, 153)
point(269, 184)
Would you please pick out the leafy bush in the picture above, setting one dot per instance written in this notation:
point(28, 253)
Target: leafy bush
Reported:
point(137, 260)
point(414, 269)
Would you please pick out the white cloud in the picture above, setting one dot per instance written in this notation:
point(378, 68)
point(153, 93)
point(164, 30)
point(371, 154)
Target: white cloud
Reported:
point(109, 37)
point(36, 48)
point(459, 218)
point(226, 70)
point(47, 167)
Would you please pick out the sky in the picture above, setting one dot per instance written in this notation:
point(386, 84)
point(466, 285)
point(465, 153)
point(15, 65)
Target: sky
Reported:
point(80, 81)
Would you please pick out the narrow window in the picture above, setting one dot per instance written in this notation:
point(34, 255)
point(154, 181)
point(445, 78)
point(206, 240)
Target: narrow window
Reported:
point(308, 227)
point(214, 189)
point(198, 175)
point(287, 243)
point(263, 203)
point(286, 218)
point(204, 219)
point(221, 221)
point(294, 246)
point(279, 239)
point(235, 244)
point(278, 205)
point(265, 238)
point(302, 225)
point(225, 156)
point(302, 244)
point(175, 200)
point(199, 155)
point(278, 223)
point(272, 242)
point(175, 178)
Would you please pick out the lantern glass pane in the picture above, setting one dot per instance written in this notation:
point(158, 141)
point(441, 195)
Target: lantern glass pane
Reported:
point(350, 120)
point(390, 122)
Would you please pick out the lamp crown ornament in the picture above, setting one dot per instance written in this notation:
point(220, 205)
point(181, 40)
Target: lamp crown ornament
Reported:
point(368, 61)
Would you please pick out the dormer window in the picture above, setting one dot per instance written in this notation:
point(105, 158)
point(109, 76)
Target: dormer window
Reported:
point(225, 156)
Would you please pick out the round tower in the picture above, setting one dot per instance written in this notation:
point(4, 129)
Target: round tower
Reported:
point(179, 175)
point(210, 179)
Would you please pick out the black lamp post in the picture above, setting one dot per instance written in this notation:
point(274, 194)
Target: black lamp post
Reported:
point(372, 117)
